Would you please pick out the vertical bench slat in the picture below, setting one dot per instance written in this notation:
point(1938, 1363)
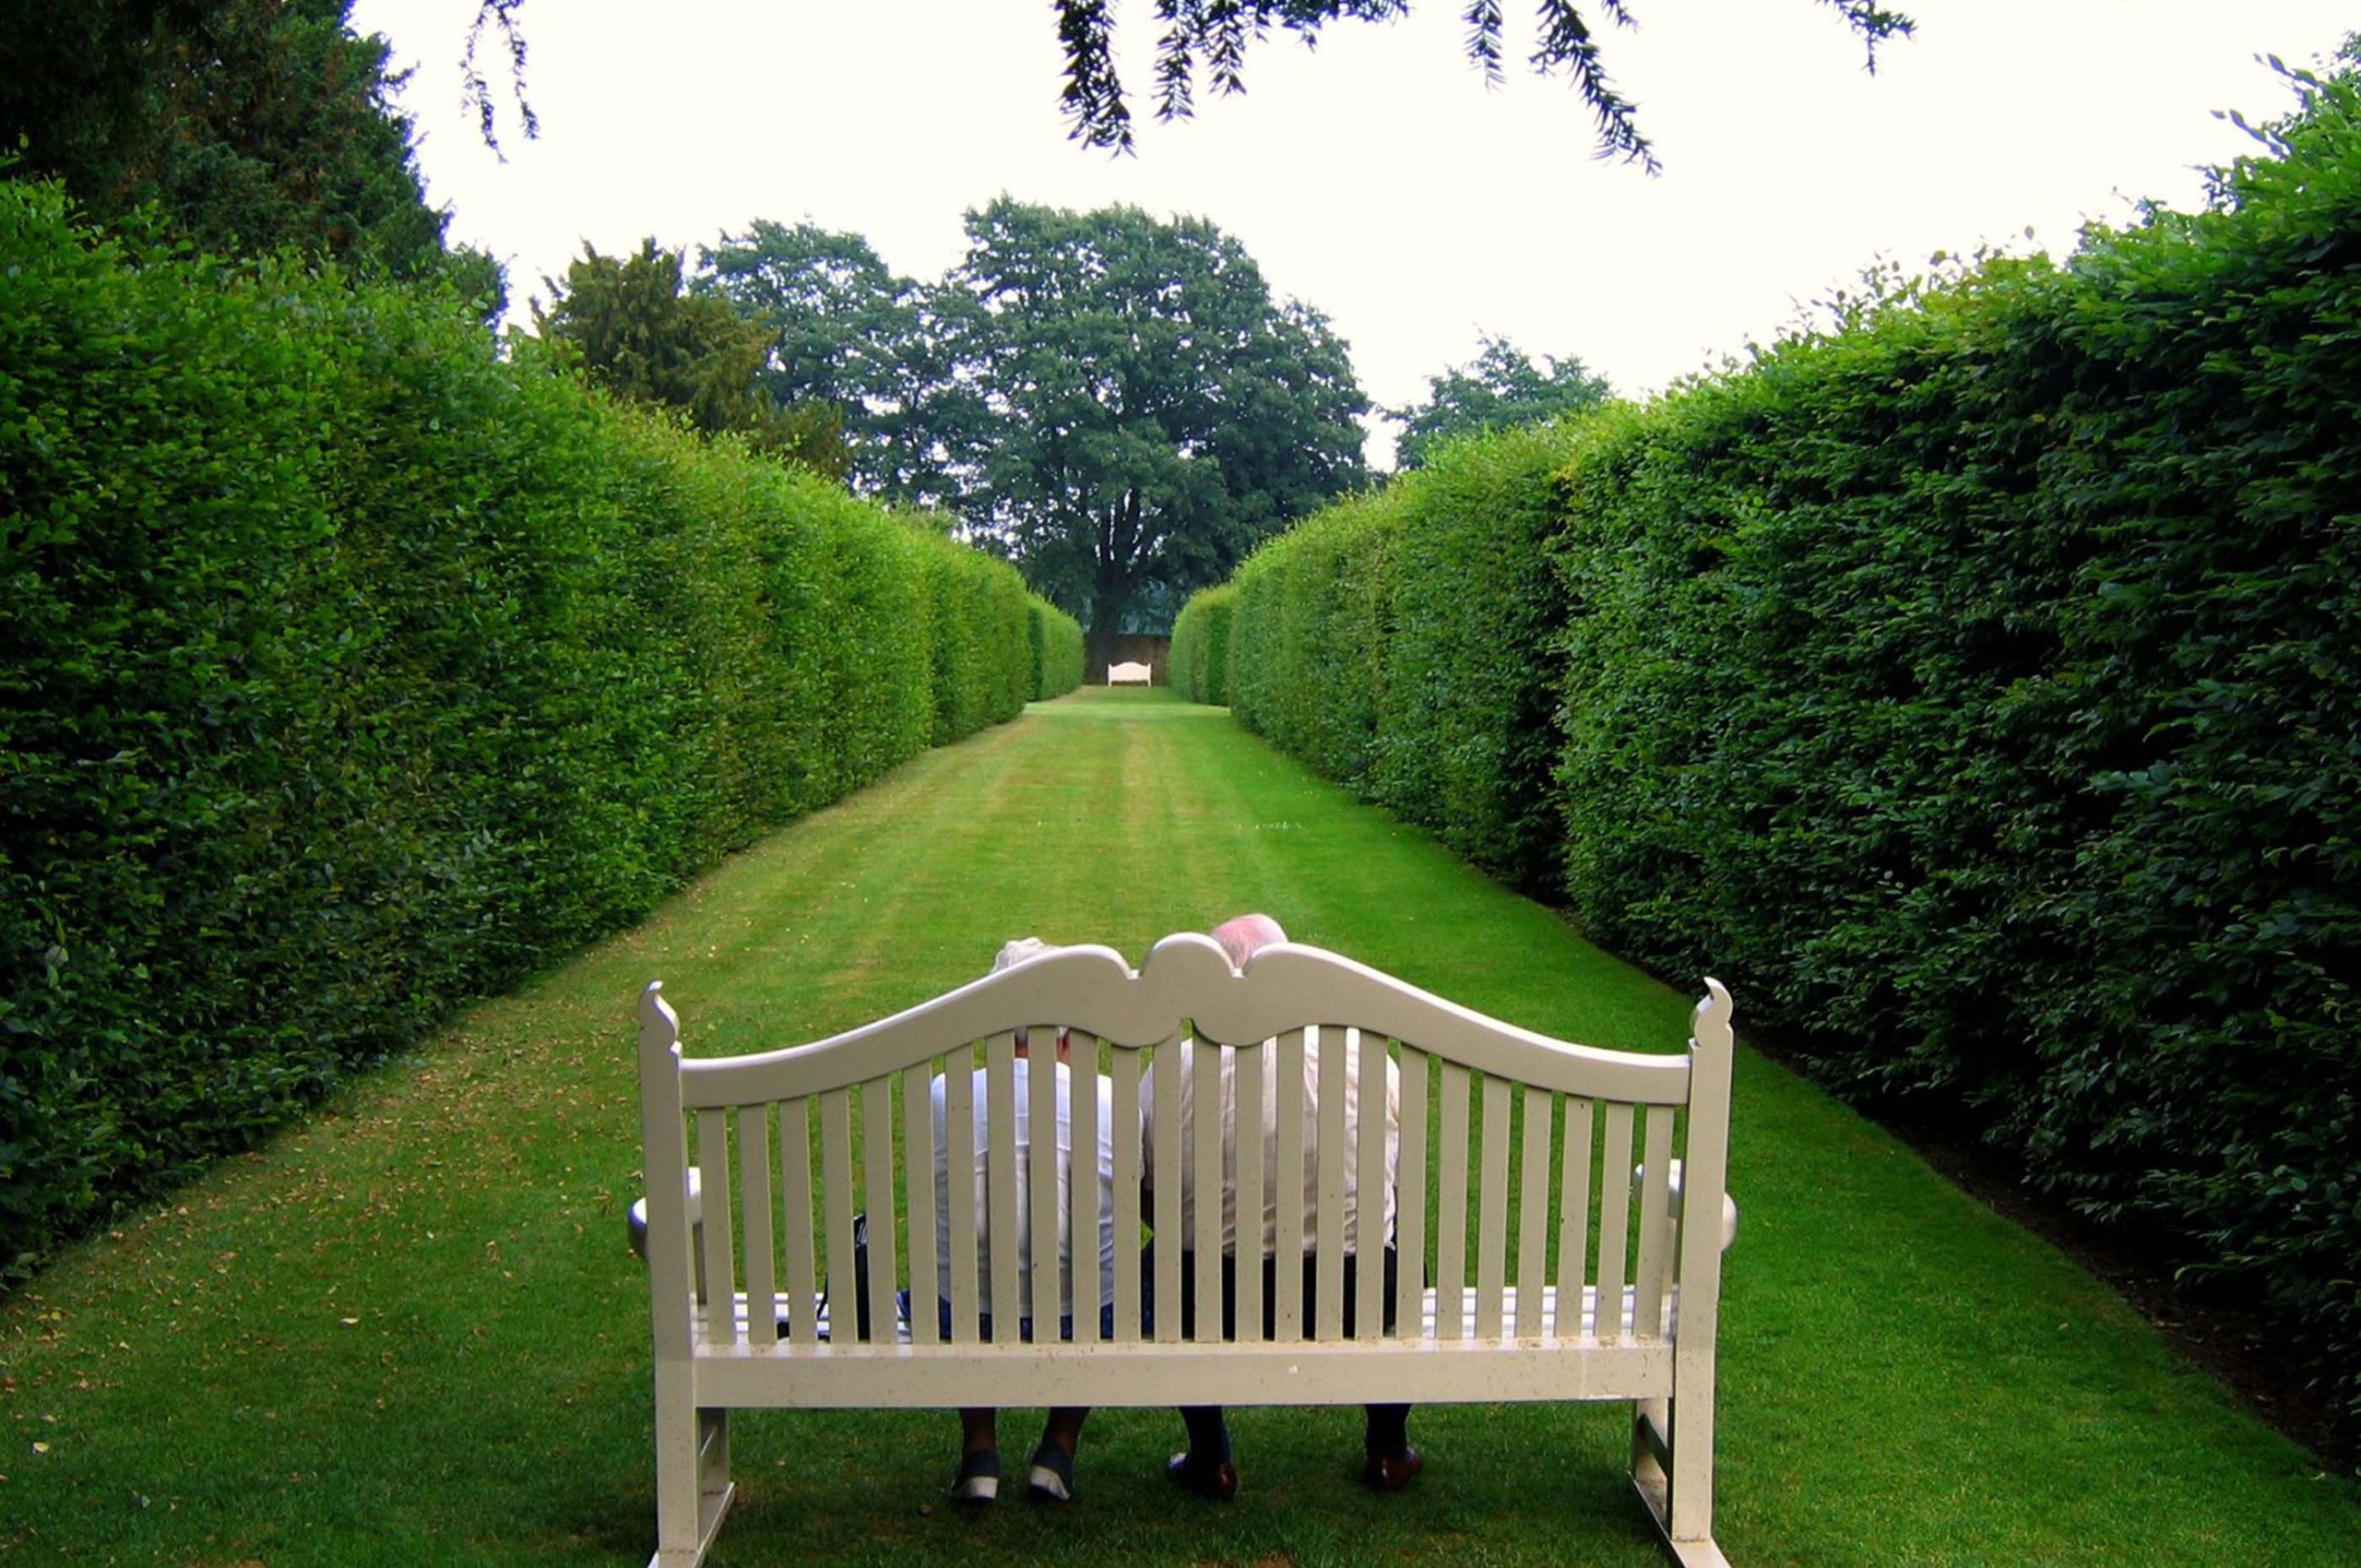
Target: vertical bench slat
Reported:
point(1492, 1235)
point(1655, 1222)
point(1614, 1220)
point(1163, 1083)
point(1206, 1187)
point(713, 1184)
point(1573, 1214)
point(1410, 1186)
point(836, 1200)
point(918, 1183)
point(1248, 1071)
point(1001, 1299)
point(1286, 1195)
point(1083, 1217)
point(1125, 1077)
point(959, 1193)
point(1369, 1294)
point(1451, 1207)
point(877, 1198)
point(1533, 1214)
point(1335, 1064)
point(1040, 1287)
point(755, 1181)
point(795, 1207)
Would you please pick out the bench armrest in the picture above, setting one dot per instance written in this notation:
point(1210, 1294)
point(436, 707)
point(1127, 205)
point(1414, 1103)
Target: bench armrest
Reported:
point(1730, 1204)
point(637, 1222)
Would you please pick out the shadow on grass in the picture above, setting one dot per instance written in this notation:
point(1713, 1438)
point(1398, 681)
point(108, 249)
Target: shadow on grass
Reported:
point(1504, 1484)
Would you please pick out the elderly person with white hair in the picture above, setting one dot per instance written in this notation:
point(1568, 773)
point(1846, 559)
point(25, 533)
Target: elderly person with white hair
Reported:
point(1207, 1467)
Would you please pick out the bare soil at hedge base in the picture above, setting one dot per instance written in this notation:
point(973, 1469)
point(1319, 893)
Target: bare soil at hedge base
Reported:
point(2232, 1344)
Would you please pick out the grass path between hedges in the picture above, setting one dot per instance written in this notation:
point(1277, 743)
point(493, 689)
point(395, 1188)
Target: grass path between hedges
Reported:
point(411, 1333)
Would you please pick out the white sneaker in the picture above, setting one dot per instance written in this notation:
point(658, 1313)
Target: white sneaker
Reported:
point(978, 1478)
point(1053, 1477)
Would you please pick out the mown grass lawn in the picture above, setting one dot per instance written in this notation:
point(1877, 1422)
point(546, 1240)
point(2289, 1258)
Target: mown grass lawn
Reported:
point(411, 1332)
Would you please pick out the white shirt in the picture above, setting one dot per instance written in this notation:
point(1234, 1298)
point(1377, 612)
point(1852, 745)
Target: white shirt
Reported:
point(1024, 1185)
point(1277, 1187)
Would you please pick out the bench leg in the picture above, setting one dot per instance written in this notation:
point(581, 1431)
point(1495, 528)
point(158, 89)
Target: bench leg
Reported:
point(693, 1487)
point(1672, 1469)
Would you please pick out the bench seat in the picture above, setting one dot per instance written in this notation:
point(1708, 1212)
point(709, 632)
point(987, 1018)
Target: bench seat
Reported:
point(1585, 1331)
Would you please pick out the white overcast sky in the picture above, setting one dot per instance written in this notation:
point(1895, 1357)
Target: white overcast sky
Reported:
point(1377, 178)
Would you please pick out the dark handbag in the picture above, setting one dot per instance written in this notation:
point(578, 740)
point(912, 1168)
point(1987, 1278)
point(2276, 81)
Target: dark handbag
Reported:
point(860, 1286)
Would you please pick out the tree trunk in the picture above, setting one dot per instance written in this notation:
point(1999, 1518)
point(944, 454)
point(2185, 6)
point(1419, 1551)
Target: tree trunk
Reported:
point(1105, 625)
point(1110, 601)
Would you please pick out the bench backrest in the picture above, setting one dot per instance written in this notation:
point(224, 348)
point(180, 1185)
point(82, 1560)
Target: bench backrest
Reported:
point(1515, 1176)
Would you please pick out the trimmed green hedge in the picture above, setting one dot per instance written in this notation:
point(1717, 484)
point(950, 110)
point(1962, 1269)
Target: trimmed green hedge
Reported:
point(1467, 717)
point(1402, 643)
point(1974, 687)
point(1979, 686)
point(984, 667)
point(1057, 642)
point(346, 673)
point(1308, 646)
point(1199, 661)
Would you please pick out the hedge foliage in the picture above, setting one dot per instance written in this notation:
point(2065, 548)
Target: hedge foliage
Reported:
point(1973, 686)
point(1308, 641)
point(1057, 643)
point(1198, 664)
point(1402, 639)
point(348, 671)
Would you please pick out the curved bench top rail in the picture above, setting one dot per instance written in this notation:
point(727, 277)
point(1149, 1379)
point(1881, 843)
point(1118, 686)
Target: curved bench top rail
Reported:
point(1186, 981)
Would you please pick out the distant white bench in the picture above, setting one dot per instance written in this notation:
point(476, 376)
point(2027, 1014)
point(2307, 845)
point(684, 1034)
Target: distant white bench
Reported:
point(1130, 674)
point(1563, 1273)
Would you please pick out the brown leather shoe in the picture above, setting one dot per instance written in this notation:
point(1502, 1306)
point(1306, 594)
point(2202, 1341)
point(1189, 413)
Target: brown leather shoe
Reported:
point(1215, 1483)
point(1393, 1474)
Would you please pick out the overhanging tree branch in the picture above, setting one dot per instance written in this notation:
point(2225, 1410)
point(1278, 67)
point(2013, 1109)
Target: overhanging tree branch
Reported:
point(499, 17)
point(1214, 35)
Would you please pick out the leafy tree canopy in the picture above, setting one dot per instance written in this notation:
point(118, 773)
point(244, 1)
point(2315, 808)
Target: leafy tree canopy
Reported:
point(844, 332)
point(1208, 40)
point(1115, 401)
point(627, 322)
point(1502, 388)
point(1155, 413)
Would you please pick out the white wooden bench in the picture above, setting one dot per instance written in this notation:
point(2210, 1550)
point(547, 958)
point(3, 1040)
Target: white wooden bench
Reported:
point(1561, 1271)
point(1130, 673)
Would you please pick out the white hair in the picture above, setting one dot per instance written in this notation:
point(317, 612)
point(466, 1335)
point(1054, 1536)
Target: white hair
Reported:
point(1014, 953)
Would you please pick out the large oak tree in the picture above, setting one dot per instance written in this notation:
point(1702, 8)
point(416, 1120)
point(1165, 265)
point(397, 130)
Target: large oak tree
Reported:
point(1155, 413)
point(1113, 400)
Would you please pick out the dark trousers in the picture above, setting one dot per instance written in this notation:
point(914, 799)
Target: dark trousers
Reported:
point(1387, 1431)
point(1270, 1293)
